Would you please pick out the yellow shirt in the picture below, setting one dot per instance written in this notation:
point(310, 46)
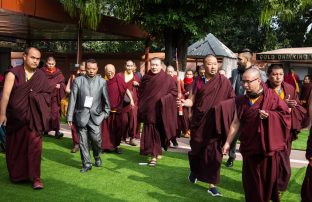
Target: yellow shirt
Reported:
point(280, 93)
point(252, 101)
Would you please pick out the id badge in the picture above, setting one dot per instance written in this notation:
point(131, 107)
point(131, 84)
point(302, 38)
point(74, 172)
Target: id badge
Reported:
point(88, 102)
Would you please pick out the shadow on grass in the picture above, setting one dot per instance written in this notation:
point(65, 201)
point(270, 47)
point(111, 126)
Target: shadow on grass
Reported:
point(168, 178)
point(56, 190)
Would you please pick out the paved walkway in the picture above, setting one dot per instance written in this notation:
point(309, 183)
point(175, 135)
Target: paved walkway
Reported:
point(297, 158)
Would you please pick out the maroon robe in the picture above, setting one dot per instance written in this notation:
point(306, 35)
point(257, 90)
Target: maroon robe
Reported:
point(111, 134)
point(306, 189)
point(56, 96)
point(206, 156)
point(158, 112)
point(305, 97)
point(297, 116)
point(28, 116)
point(263, 144)
point(129, 114)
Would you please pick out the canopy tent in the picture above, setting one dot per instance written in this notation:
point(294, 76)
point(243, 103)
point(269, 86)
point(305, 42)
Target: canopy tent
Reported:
point(210, 45)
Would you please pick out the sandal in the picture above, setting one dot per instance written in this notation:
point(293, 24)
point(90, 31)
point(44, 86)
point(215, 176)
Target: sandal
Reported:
point(152, 163)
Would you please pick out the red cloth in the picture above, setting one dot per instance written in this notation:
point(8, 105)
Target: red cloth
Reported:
point(265, 151)
point(205, 157)
point(116, 89)
point(29, 102)
point(305, 97)
point(23, 154)
point(28, 115)
point(158, 112)
point(55, 77)
point(188, 81)
point(290, 80)
point(306, 189)
point(111, 130)
point(74, 133)
point(129, 114)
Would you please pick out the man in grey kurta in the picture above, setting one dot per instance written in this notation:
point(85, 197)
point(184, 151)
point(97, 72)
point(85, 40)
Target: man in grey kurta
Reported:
point(89, 100)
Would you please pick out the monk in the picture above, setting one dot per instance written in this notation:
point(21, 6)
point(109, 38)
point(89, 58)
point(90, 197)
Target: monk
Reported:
point(80, 71)
point(129, 112)
point(306, 193)
point(293, 79)
point(57, 83)
point(264, 122)
point(116, 89)
point(170, 71)
point(205, 156)
point(157, 110)
point(287, 93)
point(25, 111)
point(188, 84)
point(305, 99)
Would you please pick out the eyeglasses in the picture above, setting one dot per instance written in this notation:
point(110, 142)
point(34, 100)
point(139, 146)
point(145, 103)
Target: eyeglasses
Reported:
point(249, 82)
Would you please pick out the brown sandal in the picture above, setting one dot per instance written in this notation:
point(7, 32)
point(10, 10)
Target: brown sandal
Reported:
point(152, 163)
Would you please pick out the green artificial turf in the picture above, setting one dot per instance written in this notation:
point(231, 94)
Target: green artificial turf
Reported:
point(301, 142)
point(122, 179)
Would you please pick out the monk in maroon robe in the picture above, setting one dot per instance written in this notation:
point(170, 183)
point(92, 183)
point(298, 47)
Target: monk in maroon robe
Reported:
point(25, 111)
point(180, 118)
point(306, 189)
point(293, 79)
point(188, 85)
point(157, 110)
point(287, 93)
point(116, 89)
point(264, 122)
point(129, 113)
point(305, 99)
point(205, 156)
point(57, 83)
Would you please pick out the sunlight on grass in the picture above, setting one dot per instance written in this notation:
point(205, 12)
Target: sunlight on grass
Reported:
point(122, 179)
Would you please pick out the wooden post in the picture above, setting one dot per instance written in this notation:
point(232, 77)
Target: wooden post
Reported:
point(146, 52)
point(79, 44)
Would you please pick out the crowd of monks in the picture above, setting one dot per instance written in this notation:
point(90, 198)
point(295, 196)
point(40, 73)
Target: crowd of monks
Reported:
point(261, 110)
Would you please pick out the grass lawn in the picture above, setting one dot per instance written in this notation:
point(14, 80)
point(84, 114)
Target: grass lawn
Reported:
point(301, 142)
point(122, 179)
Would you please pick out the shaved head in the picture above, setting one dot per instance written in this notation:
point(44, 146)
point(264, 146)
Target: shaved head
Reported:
point(253, 72)
point(110, 71)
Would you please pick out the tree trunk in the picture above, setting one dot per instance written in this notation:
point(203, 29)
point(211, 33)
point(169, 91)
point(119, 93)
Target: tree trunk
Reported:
point(175, 39)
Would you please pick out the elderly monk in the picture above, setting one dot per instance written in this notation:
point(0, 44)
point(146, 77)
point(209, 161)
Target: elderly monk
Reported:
point(287, 93)
point(57, 83)
point(80, 72)
point(116, 89)
point(157, 110)
point(264, 122)
point(129, 112)
point(25, 111)
point(205, 156)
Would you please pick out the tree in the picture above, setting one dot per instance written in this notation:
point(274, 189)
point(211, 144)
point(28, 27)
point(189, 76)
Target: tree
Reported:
point(176, 23)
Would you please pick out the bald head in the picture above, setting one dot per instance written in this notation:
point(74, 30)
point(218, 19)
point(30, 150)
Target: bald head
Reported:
point(170, 70)
point(110, 71)
point(252, 72)
point(251, 81)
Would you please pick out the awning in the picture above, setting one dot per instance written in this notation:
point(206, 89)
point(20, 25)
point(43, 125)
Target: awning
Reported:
point(286, 55)
point(47, 20)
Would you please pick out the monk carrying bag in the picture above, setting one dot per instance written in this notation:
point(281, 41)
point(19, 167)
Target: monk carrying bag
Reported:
point(2, 138)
